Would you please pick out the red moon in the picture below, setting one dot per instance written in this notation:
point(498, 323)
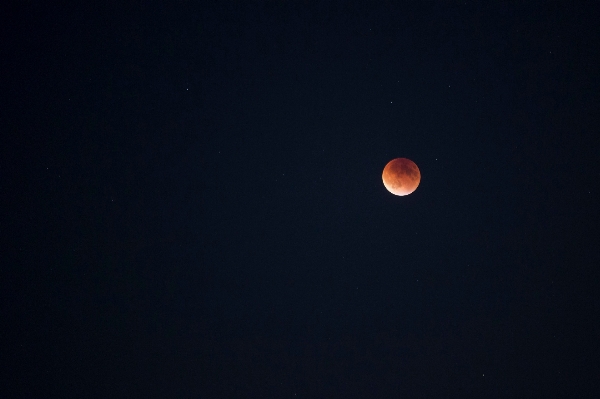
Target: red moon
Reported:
point(401, 176)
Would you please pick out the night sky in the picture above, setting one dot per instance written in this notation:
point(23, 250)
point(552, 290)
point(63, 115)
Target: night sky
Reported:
point(195, 209)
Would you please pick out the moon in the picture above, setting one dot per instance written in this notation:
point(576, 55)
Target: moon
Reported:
point(401, 176)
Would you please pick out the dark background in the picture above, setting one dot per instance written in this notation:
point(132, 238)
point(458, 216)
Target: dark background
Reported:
point(194, 205)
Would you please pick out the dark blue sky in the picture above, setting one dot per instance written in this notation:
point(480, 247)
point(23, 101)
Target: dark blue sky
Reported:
point(196, 206)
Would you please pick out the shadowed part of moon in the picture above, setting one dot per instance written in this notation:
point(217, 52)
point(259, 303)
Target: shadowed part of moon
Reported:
point(401, 176)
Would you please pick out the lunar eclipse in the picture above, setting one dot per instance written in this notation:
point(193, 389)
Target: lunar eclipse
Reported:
point(401, 176)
